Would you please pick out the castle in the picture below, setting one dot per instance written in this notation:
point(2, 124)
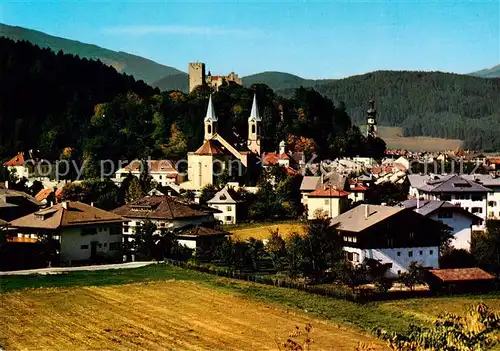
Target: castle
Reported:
point(198, 77)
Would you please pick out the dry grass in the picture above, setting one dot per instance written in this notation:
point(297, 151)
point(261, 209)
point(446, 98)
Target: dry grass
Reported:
point(263, 232)
point(393, 136)
point(163, 315)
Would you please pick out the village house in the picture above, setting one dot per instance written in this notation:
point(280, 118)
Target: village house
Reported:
point(31, 167)
point(229, 204)
point(217, 155)
point(392, 235)
point(201, 238)
point(459, 191)
point(326, 202)
point(166, 212)
point(458, 219)
point(491, 181)
point(84, 232)
point(162, 172)
point(357, 191)
point(15, 204)
point(312, 183)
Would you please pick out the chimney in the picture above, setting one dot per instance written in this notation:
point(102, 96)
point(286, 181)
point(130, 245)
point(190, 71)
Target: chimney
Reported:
point(6, 184)
point(64, 204)
point(418, 202)
point(367, 210)
point(92, 203)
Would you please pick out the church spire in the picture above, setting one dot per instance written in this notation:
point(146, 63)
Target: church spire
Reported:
point(254, 114)
point(210, 116)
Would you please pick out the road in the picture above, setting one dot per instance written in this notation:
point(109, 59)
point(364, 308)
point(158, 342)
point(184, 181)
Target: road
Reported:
point(56, 270)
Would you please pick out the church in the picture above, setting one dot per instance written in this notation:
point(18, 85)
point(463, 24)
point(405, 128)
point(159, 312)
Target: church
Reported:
point(217, 154)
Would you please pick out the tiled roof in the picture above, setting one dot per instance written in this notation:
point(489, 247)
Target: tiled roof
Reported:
point(204, 231)
point(354, 220)
point(57, 216)
point(310, 183)
point(451, 184)
point(155, 166)
point(43, 194)
point(494, 160)
point(461, 274)
point(428, 207)
point(272, 158)
point(6, 193)
point(162, 207)
point(328, 192)
point(17, 160)
point(210, 147)
point(483, 179)
point(226, 196)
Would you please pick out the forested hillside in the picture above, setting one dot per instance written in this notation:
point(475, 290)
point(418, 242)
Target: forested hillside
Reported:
point(425, 103)
point(493, 72)
point(80, 109)
point(139, 67)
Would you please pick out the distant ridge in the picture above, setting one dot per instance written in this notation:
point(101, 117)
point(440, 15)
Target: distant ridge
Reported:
point(139, 67)
point(493, 72)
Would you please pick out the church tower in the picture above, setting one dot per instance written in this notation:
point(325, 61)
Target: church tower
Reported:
point(371, 120)
point(254, 122)
point(210, 121)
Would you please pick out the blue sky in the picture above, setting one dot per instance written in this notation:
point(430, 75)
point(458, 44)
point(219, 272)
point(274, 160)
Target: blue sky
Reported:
point(328, 39)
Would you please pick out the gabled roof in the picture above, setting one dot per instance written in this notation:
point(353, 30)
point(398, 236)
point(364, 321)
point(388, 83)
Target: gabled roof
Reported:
point(428, 207)
point(43, 194)
point(3, 223)
point(354, 220)
point(483, 179)
point(162, 207)
point(328, 192)
point(333, 179)
point(17, 160)
point(310, 183)
point(452, 184)
point(67, 214)
point(461, 274)
point(210, 147)
point(210, 115)
point(225, 196)
point(254, 113)
point(272, 158)
point(6, 193)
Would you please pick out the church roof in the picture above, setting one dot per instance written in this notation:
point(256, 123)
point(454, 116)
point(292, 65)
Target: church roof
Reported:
point(254, 114)
point(210, 116)
point(210, 147)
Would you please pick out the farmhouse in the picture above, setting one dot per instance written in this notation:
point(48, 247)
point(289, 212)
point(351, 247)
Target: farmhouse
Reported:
point(458, 219)
point(392, 235)
point(165, 211)
point(84, 232)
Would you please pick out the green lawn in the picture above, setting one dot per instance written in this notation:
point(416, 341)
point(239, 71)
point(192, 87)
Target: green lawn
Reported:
point(394, 315)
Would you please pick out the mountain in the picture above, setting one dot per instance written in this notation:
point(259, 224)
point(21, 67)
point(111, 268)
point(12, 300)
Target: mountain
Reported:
point(139, 67)
point(178, 81)
point(493, 72)
point(281, 80)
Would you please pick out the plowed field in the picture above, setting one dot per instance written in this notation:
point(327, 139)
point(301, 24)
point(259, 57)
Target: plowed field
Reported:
point(173, 314)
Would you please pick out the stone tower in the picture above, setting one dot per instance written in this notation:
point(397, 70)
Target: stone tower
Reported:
point(254, 122)
point(196, 75)
point(210, 121)
point(371, 120)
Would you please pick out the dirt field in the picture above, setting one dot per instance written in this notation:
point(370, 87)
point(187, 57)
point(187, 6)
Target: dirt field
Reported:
point(263, 232)
point(393, 137)
point(165, 315)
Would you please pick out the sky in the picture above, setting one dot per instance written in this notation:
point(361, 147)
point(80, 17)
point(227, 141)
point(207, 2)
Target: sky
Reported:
point(312, 39)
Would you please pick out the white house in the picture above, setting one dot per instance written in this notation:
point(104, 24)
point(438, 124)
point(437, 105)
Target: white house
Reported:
point(163, 172)
point(388, 234)
point(201, 238)
point(26, 166)
point(327, 202)
point(84, 232)
point(228, 203)
point(165, 212)
point(458, 219)
point(491, 181)
point(459, 191)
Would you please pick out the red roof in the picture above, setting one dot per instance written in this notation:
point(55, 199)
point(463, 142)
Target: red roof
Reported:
point(461, 274)
point(43, 194)
point(272, 158)
point(328, 192)
point(210, 147)
point(376, 170)
point(17, 160)
point(495, 160)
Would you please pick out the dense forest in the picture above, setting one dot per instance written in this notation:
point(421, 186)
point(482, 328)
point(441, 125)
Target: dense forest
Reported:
point(82, 109)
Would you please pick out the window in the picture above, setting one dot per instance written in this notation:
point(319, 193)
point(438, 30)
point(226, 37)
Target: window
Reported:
point(492, 203)
point(399, 271)
point(431, 252)
point(100, 245)
point(115, 246)
point(229, 218)
point(105, 244)
point(410, 253)
point(412, 235)
point(84, 247)
point(88, 231)
point(445, 197)
point(491, 214)
point(477, 198)
point(421, 253)
point(356, 257)
point(327, 201)
point(476, 210)
point(399, 253)
point(253, 128)
point(390, 242)
point(159, 177)
point(229, 208)
point(209, 129)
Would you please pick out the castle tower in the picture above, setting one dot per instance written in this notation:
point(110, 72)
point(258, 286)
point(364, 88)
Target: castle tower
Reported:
point(210, 121)
point(371, 120)
point(196, 72)
point(254, 122)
